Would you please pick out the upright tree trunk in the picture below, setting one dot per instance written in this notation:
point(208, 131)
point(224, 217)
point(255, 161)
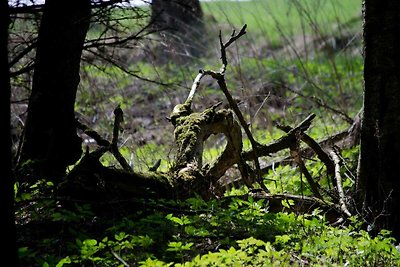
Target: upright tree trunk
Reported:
point(8, 252)
point(50, 135)
point(379, 178)
point(181, 22)
point(176, 14)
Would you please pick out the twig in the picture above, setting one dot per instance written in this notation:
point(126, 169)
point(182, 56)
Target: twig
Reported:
point(227, 44)
point(295, 153)
point(260, 107)
point(93, 134)
point(321, 103)
point(114, 144)
point(155, 166)
point(339, 186)
point(281, 143)
point(30, 46)
point(343, 139)
point(118, 257)
point(123, 68)
point(321, 154)
point(30, 66)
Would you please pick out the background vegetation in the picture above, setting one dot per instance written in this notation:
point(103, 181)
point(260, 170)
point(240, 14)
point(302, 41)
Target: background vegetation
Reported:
point(295, 59)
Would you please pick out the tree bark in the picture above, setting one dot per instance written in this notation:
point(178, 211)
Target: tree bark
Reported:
point(181, 24)
point(176, 15)
point(379, 181)
point(8, 252)
point(50, 135)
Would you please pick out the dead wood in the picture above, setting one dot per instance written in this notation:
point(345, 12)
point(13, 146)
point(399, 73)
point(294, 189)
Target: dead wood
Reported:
point(189, 176)
point(342, 140)
point(283, 142)
point(339, 187)
point(219, 76)
point(106, 145)
point(321, 154)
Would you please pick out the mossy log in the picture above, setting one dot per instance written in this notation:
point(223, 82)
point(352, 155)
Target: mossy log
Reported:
point(187, 175)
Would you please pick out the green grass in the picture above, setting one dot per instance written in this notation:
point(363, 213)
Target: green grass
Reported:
point(268, 18)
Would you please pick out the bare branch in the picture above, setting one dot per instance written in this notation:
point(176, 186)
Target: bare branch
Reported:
point(227, 44)
point(220, 78)
point(29, 48)
point(339, 187)
point(195, 85)
point(124, 69)
point(32, 9)
point(105, 144)
point(114, 144)
point(322, 155)
point(235, 37)
point(295, 153)
point(92, 133)
point(118, 257)
point(281, 143)
point(29, 67)
point(116, 40)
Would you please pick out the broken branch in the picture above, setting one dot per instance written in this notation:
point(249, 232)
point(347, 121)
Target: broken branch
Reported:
point(114, 144)
point(339, 187)
point(220, 78)
point(106, 145)
point(195, 85)
point(227, 44)
point(321, 154)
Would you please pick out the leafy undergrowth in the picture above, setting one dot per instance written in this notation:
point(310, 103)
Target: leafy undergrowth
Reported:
point(234, 231)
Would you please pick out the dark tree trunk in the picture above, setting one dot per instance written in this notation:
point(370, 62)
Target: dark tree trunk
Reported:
point(176, 14)
point(8, 252)
point(379, 179)
point(181, 22)
point(50, 135)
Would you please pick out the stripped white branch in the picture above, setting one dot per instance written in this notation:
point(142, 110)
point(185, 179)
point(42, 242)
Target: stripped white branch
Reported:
point(195, 85)
point(339, 186)
point(118, 257)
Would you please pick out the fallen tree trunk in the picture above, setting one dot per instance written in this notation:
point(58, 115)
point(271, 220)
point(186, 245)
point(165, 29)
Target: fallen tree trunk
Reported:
point(187, 176)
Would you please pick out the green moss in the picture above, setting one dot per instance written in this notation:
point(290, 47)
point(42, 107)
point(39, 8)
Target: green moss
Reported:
point(187, 130)
point(187, 133)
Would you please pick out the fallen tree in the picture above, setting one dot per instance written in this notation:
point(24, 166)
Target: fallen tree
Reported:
point(188, 175)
